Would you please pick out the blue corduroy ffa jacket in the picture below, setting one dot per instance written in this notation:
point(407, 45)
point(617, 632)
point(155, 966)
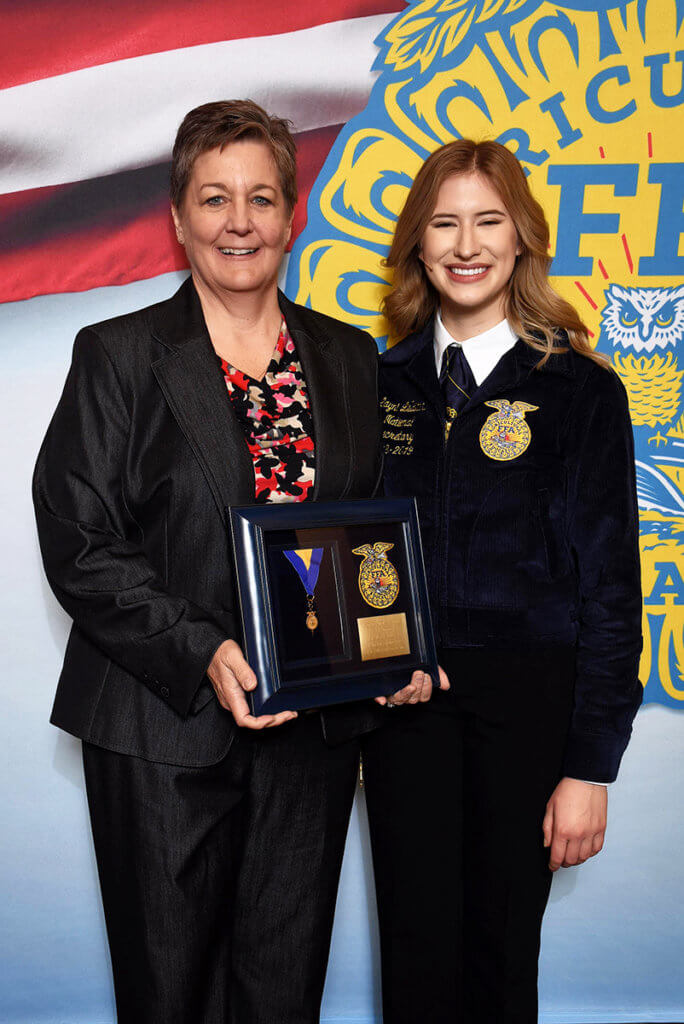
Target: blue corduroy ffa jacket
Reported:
point(529, 522)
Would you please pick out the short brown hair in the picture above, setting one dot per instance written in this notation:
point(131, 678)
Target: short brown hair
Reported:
point(215, 125)
point(536, 312)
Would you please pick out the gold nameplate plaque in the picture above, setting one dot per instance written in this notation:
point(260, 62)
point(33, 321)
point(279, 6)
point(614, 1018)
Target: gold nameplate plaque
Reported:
point(383, 636)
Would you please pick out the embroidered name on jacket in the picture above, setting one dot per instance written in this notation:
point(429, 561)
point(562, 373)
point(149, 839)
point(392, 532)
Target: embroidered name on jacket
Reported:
point(398, 426)
point(505, 434)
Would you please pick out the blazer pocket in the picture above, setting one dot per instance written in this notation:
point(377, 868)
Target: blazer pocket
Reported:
point(553, 554)
point(202, 698)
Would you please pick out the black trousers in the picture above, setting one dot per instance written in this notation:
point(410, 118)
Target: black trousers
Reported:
point(456, 792)
point(219, 883)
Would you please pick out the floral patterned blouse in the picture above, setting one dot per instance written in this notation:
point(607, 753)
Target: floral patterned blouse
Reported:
point(276, 417)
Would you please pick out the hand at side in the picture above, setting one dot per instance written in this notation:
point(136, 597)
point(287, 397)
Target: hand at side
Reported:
point(575, 822)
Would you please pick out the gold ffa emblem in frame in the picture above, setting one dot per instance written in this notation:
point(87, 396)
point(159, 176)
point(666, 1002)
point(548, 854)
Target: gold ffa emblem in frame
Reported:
point(505, 434)
point(378, 579)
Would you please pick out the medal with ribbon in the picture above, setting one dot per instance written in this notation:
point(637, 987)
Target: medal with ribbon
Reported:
point(306, 562)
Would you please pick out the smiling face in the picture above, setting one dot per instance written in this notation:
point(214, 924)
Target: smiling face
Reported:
point(469, 249)
point(233, 219)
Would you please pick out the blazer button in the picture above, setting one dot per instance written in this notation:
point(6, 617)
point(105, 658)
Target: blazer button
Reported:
point(164, 691)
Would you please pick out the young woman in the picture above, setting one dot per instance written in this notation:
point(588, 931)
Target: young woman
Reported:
point(516, 439)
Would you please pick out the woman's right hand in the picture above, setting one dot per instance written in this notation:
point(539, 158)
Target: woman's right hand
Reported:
point(231, 677)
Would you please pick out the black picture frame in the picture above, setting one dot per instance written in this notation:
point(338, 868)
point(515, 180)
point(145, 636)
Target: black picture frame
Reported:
point(297, 667)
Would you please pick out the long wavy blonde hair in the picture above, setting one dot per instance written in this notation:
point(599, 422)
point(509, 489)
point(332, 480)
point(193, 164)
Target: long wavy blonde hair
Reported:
point(535, 311)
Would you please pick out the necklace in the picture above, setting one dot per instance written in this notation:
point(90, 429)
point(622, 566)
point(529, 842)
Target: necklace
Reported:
point(306, 562)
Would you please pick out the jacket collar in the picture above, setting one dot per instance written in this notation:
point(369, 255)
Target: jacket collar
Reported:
point(189, 377)
point(416, 355)
point(419, 357)
point(514, 368)
point(179, 320)
point(190, 380)
point(561, 363)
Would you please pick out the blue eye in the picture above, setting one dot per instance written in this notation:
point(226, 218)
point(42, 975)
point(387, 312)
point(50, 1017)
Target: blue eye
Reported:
point(665, 318)
point(214, 200)
point(261, 201)
point(629, 316)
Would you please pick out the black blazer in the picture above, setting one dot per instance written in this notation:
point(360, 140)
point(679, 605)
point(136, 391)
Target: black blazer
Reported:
point(139, 466)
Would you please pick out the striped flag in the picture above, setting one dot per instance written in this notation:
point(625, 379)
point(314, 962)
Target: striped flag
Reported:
point(91, 95)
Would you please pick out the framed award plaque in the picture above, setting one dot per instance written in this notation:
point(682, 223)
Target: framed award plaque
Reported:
point(333, 599)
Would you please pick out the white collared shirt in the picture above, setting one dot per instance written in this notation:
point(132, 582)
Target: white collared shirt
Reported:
point(483, 351)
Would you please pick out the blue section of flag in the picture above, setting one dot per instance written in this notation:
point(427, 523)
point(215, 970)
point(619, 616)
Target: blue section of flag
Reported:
point(308, 576)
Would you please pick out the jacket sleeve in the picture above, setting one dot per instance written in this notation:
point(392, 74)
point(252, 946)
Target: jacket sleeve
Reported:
point(91, 544)
point(604, 545)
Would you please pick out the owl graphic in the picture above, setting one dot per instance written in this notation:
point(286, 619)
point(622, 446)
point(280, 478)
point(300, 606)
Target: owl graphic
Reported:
point(643, 318)
point(641, 329)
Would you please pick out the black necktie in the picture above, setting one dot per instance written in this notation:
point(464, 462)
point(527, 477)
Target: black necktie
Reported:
point(457, 383)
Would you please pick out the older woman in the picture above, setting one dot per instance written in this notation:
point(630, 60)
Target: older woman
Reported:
point(218, 848)
point(522, 462)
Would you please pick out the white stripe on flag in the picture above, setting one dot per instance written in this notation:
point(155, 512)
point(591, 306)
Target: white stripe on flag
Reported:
point(124, 115)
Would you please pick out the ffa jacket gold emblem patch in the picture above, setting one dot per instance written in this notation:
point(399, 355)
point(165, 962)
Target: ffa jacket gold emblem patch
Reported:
point(505, 434)
point(378, 579)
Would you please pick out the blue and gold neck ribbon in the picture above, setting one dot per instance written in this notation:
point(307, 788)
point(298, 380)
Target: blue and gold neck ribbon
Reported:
point(306, 562)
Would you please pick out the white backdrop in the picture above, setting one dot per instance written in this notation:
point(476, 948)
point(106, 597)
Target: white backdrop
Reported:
point(612, 946)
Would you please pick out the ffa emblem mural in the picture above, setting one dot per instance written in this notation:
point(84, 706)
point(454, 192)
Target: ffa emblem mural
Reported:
point(505, 434)
point(378, 579)
point(589, 96)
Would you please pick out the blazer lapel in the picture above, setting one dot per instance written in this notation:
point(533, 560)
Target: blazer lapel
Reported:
point(196, 393)
point(327, 386)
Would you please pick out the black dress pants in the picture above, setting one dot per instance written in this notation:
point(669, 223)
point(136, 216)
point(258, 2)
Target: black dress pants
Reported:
point(219, 883)
point(456, 792)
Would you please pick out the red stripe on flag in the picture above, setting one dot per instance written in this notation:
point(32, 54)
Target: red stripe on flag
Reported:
point(69, 238)
point(42, 39)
